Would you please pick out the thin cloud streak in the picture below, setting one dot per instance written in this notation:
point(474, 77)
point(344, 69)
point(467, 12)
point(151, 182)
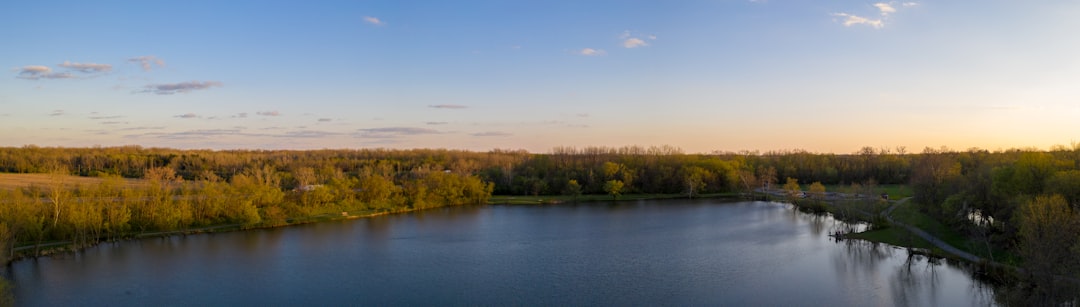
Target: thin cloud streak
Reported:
point(394, 132)
point(88, 68)
point(491, 134)
point(374, 21)
point(182, 87)
point(591, 52)
point(35, 72)
point(448, 106)
point(147, 62)
point(851, 20)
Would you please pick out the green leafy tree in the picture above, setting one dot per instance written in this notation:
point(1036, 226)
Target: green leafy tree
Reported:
point(379, 192)
point(613, 187)
point(817, 190)
point(1066, 183)
point(1048, 228)
point(792, 189)
point(1050, 247)
point(694, 180)
point(573, 189)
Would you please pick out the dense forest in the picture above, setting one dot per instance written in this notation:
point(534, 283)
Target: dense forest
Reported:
point(1023, 201)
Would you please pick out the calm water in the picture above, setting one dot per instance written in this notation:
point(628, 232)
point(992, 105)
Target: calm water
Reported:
point(672, 252)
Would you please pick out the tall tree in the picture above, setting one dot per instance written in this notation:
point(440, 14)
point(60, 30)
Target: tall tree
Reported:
point(613, 187)
point(1049, 246)
point(792, 189)
point(1048, 228)
point(573, 189)
point(817, 190)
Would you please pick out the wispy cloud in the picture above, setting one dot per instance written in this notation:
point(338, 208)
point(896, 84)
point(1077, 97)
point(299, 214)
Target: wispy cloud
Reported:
point(325, 120)
point(106, 117)
point(147, 62)
point(190, 134)
point(240, 115)
point(630, 40)
point(268, 113)
point(142, 128)
point(35, 72)
point(309, 134)
point(187, 115)
point(851, 20)
point(634, 42)
point(87, 67)
point(114, 123)
point(491, 133)
point(448, 106)
point(436, 123)
point(591, 52)
point(393, 132)
point(182, 87)
point(582, 115)
point(56, 113)
point(885, 8)
point(374, 21)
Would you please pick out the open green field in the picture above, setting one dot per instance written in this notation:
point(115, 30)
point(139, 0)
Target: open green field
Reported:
point(9, 181)
point(894, 236)
point(895, 191)
point(908, 214)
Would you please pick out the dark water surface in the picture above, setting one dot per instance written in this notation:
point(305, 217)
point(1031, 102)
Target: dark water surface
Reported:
point(671, 252)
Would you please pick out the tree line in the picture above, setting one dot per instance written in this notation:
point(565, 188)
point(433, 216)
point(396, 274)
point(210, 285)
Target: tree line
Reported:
point(982, 193)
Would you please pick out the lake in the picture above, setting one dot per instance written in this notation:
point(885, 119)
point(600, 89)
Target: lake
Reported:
point(667, 252)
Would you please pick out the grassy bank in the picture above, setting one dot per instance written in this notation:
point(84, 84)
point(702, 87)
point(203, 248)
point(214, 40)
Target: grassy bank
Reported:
point(23, 251)
point(908, 214)
point(894, 236)
point(895, 191)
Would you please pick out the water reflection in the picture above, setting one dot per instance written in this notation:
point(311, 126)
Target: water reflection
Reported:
point(677, 252)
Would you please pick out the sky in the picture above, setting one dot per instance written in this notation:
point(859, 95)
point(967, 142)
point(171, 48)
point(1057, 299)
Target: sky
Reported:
point(704, 76)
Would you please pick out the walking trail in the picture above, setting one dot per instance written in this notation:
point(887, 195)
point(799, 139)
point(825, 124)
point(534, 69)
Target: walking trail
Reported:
point(930, 238)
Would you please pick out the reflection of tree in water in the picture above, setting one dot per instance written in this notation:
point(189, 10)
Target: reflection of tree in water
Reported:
point(916, 281)
point(911, 278)
point(862, 255)
point(817, 224)
point(856, 265)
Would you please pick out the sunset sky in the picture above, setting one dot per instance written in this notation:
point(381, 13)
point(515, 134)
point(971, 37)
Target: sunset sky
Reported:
point(825, 76)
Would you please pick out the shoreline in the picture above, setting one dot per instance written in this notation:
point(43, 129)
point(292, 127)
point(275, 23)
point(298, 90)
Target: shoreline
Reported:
point(47, 249)
point(58, 248)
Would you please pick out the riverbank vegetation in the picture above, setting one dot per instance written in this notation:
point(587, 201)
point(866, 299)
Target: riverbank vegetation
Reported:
point(1007, 206)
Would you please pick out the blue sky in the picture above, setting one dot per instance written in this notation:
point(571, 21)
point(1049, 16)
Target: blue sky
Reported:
point(826, 76)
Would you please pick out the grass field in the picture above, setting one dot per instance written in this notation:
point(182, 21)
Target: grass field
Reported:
point(895, 191)
point(908, 214)
point(894, 236)
point(9, 181)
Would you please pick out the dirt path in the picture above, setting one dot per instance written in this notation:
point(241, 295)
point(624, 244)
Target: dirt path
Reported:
point(930, 238)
